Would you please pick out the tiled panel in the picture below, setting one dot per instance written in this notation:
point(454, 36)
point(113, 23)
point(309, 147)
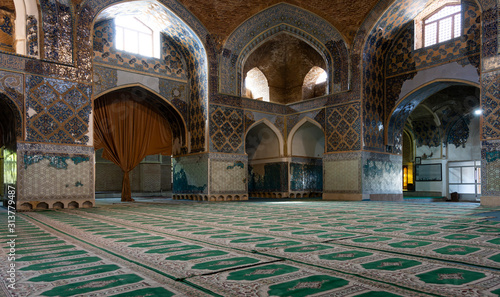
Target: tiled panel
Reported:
point(226, 129)
point(177, 93)
point(191, 174)
point(280, 18)
point(7, 34)
point(270, 177)
point(57, 111)
point(58, 30)
point(343, 128)
point(306, 177)
point(342, 173)
point(490, 103)
point(104, 79)
point(382, 173)
point(55, 172)
point(490, 173)
point(426, 133)
point(228, 177)
point(31, 36)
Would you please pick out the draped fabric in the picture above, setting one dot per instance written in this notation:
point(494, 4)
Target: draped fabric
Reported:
point(128, 131)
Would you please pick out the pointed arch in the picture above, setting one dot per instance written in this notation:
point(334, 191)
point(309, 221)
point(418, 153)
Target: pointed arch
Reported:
point(165, 107)
point(297, 126)
point(312, 84)
point(403, 108)
point(10, 114)
point(273, 128)
point(256, 85)
point(302, 24)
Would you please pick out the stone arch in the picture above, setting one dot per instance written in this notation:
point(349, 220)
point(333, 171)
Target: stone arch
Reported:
point(273, 128)
point(282, 17)
point(297, 126)
point(165, 107)
point(399, 114)
point(188, 33)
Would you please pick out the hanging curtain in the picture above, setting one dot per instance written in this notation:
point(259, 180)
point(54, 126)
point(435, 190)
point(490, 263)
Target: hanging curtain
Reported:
point(128, 131)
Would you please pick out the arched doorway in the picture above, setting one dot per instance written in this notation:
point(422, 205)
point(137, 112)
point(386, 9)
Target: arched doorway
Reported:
point(441, 144)
point(306, 146)
point(267, 173)
point(136, 132)
point(8, 155)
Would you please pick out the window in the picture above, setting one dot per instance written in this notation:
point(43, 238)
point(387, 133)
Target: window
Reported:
point(256, 85)
point(135, 37)
point(443, 25)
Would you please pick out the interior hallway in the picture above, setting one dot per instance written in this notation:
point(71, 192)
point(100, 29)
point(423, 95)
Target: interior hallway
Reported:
point(164, 247)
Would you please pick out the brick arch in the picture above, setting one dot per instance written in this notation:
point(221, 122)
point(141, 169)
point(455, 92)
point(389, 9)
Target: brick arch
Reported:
point(302, 24)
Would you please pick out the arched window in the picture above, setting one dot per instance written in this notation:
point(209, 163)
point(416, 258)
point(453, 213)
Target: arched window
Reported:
point(438, 22)
point(315, 83)
point(256, 85)
point(443, 25)
point(133, 36)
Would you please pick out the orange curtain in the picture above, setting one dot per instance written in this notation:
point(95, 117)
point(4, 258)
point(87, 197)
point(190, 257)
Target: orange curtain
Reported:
point(128, 131)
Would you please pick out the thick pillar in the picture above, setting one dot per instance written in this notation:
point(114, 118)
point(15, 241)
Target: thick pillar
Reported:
point(362, 175)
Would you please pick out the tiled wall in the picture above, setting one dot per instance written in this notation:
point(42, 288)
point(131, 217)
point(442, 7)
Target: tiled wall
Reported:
point(295, 21)
point(306, 177)
point(382, 173)
point(58, 111)
point(58, 29)
point(226, 129)
point(268, 177)
point(170, 64)
point(7, 20)
point(342, 173)
point(228, 174)
point(190, 174)
point(490, 177)
point(55, 173)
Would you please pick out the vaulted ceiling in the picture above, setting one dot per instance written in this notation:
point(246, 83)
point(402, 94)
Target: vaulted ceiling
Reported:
point(221, 17)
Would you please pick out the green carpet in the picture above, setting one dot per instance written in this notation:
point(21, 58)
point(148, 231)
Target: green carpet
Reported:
point(256, 249)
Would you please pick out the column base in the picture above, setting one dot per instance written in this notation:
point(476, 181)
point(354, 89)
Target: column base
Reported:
point(490, 201)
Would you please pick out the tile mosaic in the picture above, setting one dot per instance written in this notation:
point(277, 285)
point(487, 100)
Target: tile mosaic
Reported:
point(227, 129)
point(58, 111)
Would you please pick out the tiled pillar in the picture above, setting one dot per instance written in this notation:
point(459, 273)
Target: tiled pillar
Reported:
point(228, 177)
point(362, 176)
